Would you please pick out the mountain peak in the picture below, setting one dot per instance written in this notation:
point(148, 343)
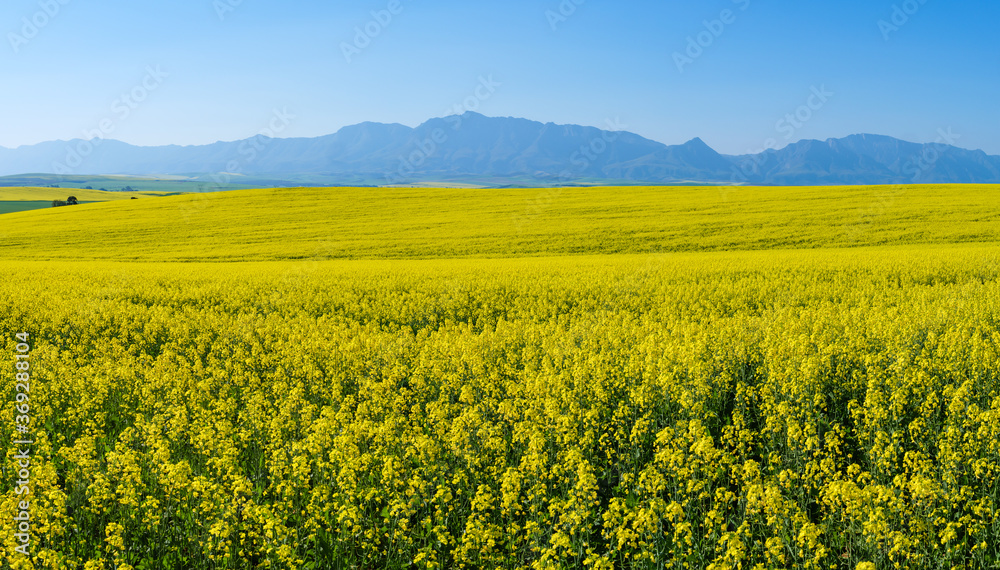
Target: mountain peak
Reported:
point(698, 145)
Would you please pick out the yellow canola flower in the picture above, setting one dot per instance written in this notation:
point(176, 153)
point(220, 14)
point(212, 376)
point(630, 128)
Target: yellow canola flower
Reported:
point(739, 409)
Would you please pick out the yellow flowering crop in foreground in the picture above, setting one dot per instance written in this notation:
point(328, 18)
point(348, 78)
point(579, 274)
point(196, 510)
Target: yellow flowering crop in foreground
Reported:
point(815, 409)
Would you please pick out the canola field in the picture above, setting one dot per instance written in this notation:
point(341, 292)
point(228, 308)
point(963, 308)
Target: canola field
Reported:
point(584, 378)
point(28, 193)
point(22, 199)
point(426, 223)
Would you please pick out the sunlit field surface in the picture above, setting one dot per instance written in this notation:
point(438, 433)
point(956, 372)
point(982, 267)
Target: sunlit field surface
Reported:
point(400, 223)
point(577, 378)
point(18, 193)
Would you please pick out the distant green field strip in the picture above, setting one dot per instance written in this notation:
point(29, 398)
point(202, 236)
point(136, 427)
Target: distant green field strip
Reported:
point(426, 223)
point(22, 206)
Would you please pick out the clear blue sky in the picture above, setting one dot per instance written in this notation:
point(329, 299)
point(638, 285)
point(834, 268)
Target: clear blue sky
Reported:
point(225, 76)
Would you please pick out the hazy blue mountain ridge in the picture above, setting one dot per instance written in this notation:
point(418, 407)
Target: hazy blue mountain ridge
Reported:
point(471, 146)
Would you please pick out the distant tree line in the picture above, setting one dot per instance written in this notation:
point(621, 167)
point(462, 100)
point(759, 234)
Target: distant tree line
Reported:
point(71, 201)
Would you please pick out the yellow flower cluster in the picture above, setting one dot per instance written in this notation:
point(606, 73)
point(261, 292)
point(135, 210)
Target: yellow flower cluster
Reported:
point(829, 409)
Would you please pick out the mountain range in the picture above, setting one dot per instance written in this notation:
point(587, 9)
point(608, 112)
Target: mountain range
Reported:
point(504, 151)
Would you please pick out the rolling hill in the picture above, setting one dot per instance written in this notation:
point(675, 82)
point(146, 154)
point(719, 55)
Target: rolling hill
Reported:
point(22, 198)
point(397, 223)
